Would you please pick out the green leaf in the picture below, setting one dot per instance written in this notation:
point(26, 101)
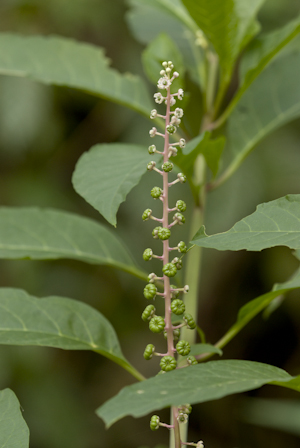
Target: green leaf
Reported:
point(65, 62)
point(270, 102)
point(41, 234)
point(195, 384)
point(275, 223)
point(148, 18)
point(258, 55)
point(162, 48)
point(56, 322)
point(203, 144)
point(14, 432)
point(255, 306)
point(228, 25)
point(106, 173)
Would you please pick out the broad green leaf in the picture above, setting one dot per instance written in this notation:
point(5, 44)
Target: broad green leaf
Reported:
point(162, 48)
point(49, 234)
point(259, 53)
point(194, 384)
point(14, 432)
point(148, 18)
point(65, 62)
point(255, 306)
point(106, 173)
point(228, 25)
point(275, 223)
point(56, 322)
point(270, 102)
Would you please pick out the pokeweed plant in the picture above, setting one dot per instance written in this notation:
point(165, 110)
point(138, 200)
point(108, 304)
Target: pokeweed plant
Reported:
point(207, 40)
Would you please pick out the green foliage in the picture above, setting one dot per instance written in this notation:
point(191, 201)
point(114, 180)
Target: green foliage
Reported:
point(276, 223)
point(41, 234)
point(196, 384)
point(13, 429)
point(106, 174)
point(64, 62)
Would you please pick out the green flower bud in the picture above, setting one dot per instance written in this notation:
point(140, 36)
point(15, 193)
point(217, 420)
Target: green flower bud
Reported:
point(167, 167)
point(150, 291)
point(169, 269)
point(154, 422)
point(151, 165)
point(155, 232)
point(147, 255)
point(177, 307)
point(182, 247)
point(188, 319)
point(152, 149)
point(171, 129)
point(163, 233)
point(178, 263)
point(149, 350)
point(146, 215)
point(185, 409)
point(174, 294)
point(179, 218)
point(181, 206)
point(157, 324)
point(148, 313)
point(176, 334)
point(151, 277)
point(181, 177)
point(183, 348)
point(168, 363)
point(191, 360)
point(156, 192)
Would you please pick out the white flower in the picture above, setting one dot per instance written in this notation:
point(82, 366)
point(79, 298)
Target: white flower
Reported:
point(180, 94)
point(200, 444)
point(163, 83)
point(182, 143)
point(178, 112)
point(158, 98)
point(152, 132)
point(172, 151)
point(175, 75)
point(176, 121)
point(153, 113)
point(172, 101)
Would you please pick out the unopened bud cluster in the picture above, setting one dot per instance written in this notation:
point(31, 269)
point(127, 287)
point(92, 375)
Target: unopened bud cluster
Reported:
point(173, 304)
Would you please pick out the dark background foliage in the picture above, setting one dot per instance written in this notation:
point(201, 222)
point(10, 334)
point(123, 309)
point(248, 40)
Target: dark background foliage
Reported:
point(43, 131)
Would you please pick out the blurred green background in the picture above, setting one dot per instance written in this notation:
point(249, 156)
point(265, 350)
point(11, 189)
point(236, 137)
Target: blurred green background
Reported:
point(43, 132)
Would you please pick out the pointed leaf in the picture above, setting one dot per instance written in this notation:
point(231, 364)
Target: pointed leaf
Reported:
point(255, 306)
point(228, 25)
point(48, 234)
point(195, 384)
point(56, 322)
point(14, 432)
point(64, 62)
point(258, 55)
point(106, 173)
point(270, 102)
point(200, 349)
point(275, 223)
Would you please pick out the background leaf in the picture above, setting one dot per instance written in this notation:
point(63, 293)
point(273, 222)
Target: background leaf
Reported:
point(271, 101)
point(65, 62)
point(255, 306)
point(275, 223)
point(14, 432)
point(161, 49)
point(42, 234)
point(106, 173)
point(228, 25)
point(56, 322)
point(195, 384)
